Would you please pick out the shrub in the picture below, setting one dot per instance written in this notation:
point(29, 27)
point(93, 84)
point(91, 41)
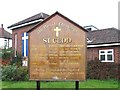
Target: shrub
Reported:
point(16, 60)
point(12, 69)
point(6, 56)
point(20, 74)
point(102, 70)
point(14, 73)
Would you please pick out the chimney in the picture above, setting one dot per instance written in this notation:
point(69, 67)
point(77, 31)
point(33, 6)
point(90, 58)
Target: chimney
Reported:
point(2, 30)
point(89, 29)
point(1, 25)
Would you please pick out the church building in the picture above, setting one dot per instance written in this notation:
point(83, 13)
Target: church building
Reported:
point(102, 44)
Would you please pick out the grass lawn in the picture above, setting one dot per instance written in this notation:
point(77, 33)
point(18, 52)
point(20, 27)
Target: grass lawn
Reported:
point(86, 84)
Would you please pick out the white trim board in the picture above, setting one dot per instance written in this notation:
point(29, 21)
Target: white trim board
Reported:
point(24, 24)
point(103, 45)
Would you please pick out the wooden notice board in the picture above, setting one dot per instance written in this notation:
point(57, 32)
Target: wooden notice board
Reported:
point(57, 51)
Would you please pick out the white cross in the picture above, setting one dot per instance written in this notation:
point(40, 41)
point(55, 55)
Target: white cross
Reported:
point(24, 38)
point(57, 31)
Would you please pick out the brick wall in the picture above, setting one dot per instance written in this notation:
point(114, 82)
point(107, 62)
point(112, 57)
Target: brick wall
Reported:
point(19, 32)
point(93, 53)
point(119, 54)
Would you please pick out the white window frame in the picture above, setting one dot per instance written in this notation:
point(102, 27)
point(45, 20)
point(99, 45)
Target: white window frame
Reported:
point(106, 50)
point(16, 41)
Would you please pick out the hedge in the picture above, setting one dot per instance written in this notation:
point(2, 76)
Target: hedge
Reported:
point(14, 73)
point(102, 70)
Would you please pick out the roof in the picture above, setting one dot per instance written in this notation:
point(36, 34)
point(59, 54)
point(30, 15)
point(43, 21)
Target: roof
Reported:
point(57, 13)
point(30, 19)
point(104, 36)
point(5, 34)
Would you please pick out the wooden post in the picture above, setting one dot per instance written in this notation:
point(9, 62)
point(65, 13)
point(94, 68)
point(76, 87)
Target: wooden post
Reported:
point(38, 85)
point(77, 85)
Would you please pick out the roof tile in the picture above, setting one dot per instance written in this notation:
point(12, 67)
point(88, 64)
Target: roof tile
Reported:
point(5, 34)
point(109, 35)
point(32, 18)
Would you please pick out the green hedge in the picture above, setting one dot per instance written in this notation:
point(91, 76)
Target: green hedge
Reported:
point(14, 73)
point(102, 70)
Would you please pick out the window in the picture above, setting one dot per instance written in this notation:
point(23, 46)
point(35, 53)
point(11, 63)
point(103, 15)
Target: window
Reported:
point(106, 55)
point(15, 45)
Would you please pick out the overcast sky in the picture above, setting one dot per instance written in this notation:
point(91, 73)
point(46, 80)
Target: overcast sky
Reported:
point(100, 13)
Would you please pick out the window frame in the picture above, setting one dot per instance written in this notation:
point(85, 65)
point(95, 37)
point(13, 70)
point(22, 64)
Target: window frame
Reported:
point(15, 44)
point(106, 54)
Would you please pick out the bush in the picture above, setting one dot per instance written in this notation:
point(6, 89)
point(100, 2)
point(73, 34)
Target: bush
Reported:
point(6, 56)
point(102, 70)
point(12, 69)
point(14, 73)
point(16, 60)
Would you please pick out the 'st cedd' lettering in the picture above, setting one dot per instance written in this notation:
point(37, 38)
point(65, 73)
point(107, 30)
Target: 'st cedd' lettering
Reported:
point(57, 40)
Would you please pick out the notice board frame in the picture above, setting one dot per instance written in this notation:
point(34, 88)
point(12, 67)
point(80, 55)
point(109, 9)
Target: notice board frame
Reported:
point(61, 79)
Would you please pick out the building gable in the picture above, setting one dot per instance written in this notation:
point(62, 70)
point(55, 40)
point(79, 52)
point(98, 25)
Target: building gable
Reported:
point(60, 15)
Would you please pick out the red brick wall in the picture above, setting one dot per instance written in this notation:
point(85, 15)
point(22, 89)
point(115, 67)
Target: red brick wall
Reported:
point(19, 32)
point(119, 54)
point(93, 53)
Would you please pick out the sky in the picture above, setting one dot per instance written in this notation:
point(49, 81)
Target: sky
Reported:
point(100, 13)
